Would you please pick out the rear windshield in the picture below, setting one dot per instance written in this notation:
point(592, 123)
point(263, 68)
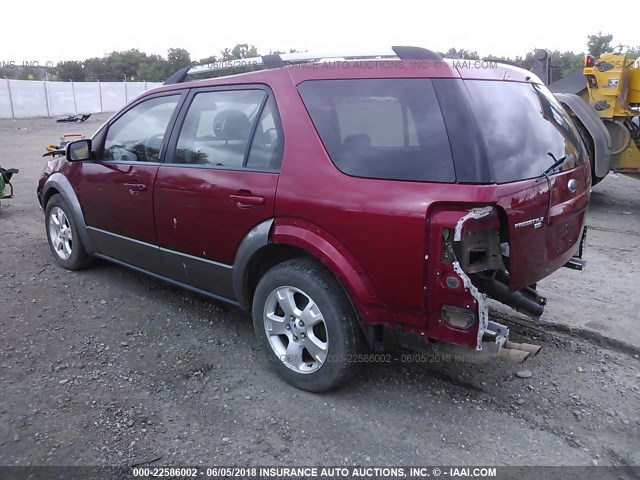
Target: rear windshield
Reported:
point(381, 128)
point(524, 129)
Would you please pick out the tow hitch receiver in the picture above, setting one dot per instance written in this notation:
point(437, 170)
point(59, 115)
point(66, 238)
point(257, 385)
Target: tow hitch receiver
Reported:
point(576, 262)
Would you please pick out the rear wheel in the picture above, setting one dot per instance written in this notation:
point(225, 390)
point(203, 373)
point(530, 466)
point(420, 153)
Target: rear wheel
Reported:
point(63, 237)
point(306, 324)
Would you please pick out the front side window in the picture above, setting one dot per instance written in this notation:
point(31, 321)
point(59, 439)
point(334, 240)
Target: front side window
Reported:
point(138, 135)
point(381, 128)
point(217, 128)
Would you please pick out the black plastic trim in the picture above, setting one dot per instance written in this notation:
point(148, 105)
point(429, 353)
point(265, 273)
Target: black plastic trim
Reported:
point(257, 238)
point(178, 77)
point(415, 53)
point(201, 273)
point(168, 280)
point(272, 61)
point(63, 186)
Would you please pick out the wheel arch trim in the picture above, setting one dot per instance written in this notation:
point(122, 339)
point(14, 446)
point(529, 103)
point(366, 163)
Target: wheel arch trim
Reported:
point(256, 239)
point(58, 182)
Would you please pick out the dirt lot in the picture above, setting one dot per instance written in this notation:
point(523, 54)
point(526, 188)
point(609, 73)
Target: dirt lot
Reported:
point(108, 367)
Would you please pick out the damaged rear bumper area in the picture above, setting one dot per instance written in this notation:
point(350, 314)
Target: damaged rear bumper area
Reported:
point(474, 263)
point(483, 256)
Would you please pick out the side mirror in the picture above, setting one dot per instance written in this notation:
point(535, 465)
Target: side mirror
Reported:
point(78, 150)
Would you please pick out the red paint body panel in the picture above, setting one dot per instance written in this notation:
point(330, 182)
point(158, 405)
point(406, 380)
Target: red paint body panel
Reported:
point(523, 202)
point(110, 203)
point(195, 214)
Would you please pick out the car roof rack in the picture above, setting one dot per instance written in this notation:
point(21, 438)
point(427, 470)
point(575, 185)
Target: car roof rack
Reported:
point(279, 61)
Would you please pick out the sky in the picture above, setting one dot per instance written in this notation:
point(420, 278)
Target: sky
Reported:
point(52, 31)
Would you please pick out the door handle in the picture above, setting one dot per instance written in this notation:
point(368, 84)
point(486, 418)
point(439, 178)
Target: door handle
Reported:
point(135, 188)
point(246, 201)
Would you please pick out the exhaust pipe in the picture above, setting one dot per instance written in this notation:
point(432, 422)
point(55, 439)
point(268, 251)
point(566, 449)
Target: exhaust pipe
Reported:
point(516, 356)
point(510, 351)
point(525, 347)
point(516, 300)
point(518, 352)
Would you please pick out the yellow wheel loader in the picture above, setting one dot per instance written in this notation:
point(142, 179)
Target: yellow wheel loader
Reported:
point(603, 99)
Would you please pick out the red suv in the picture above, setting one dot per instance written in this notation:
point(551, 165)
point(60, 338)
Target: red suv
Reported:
point(347, 203)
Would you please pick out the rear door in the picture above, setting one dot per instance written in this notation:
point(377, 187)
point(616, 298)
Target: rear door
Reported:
point(217, 183)
point(538, 162)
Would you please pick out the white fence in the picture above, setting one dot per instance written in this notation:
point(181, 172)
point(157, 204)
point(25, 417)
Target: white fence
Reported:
point(31, 98)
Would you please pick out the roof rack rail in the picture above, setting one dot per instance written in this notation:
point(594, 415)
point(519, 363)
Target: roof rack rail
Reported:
point(279, 61)
point(501, 60)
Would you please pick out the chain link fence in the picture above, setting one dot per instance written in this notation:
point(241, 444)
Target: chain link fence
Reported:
point(31, 98)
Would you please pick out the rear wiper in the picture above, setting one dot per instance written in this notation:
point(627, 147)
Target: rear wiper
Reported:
point(556, 163)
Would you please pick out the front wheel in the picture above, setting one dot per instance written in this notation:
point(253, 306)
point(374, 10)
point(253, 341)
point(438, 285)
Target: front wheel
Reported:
point(305, 322)
point(63, 237)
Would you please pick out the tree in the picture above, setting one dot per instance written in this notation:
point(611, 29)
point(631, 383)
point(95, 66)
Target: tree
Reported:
point(125, 64)
point(96, 69)
point(70, 70)
point(178, 58)
point(632, 52)
point(154, 69)
point(462, 53)
point(564, 63)
point(241, 50)
point(598, 44)
point(8, 71)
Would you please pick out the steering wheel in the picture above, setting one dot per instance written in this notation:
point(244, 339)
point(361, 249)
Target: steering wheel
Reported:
point(152, 146)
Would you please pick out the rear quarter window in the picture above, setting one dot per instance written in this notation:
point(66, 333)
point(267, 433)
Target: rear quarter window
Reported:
point(381, 128)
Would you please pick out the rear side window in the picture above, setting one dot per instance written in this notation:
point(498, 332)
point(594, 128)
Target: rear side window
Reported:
point(217, 128)
point(381, 128)
point(524, 129)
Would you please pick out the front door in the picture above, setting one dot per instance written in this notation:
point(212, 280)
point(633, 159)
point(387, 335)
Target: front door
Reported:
point(116, 190)
point(217, 183)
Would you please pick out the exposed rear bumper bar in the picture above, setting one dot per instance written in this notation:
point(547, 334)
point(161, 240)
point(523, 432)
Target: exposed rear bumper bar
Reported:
point(576, 263)
point(495, 344)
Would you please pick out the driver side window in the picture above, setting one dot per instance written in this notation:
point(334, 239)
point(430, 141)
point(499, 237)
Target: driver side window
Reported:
point(138, 135)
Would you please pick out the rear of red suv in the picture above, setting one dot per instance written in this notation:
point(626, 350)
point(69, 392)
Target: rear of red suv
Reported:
point(405, 192)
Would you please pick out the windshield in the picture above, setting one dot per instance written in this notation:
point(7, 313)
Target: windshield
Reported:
point(524, 129)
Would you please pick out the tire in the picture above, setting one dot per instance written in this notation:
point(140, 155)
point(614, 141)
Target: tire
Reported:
point(62, 235)
point(322, 317)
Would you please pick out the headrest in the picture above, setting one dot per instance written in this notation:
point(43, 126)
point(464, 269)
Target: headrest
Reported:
point(357, 140)
point(231, 125)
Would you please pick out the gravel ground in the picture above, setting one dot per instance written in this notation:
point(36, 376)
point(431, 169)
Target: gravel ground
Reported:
point(109, 367)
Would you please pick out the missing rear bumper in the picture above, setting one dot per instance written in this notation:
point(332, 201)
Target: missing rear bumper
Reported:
point(495, 344)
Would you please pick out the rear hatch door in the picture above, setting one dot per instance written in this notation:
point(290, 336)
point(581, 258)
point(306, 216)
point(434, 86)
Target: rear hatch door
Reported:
point(539, 163)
